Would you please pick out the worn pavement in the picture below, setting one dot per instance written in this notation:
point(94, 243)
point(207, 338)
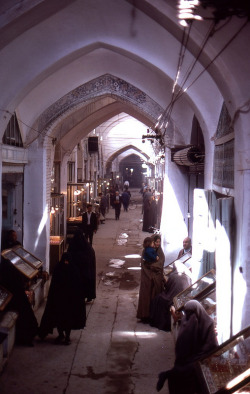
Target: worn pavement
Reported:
point(114, 353)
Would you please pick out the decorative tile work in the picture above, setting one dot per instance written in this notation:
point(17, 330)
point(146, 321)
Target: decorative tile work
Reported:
point(104, 85)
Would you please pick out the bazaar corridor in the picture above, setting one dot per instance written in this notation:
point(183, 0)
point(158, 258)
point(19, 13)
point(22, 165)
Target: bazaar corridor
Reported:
point(114, 353)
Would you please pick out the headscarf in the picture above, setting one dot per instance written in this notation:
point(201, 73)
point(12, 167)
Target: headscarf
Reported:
point(196, 335)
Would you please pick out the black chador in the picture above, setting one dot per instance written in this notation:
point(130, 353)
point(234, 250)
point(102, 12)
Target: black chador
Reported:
point(83, 256)
point(65, 308)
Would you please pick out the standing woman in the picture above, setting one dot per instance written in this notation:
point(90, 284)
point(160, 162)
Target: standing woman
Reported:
point(196, 338)
point(65, 308)
point(83, 257)
point(151, 281)
point(146, 213)
point(179, 279)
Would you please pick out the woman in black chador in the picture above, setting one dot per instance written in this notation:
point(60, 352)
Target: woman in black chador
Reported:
point(178, 280)
point(195, 339)
point(83, 256)
point(65, 308)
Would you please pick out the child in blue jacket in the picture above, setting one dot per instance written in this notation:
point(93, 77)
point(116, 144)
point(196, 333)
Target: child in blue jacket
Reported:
point(149, 255)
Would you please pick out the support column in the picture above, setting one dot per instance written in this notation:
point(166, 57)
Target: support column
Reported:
point(36, 209)
point(174, 210)
point(241, 274)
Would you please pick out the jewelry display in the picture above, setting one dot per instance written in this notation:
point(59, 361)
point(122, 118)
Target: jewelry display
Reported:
point(230, 360)
point(24, 267)
point(5, 297)
point(28, 257)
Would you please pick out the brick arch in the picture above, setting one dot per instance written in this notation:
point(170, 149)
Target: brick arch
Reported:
point(122, 150)
point(105, 85)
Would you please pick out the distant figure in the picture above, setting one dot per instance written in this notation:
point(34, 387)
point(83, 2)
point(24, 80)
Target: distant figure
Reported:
point(125, 200)
point(126, 183)
point(159, 210)
point(195, 339)
point(108, 201)
point(147, 193)
point(117, 205)
point(11, 240)
point(112, 197)
point(149, 214)
point(187, 247)
point(65, 308)
point(142, 188)
point(153, 212)
point(89, 223)
point(103, 206)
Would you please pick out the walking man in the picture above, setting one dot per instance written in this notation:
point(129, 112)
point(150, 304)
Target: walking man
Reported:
point(117, 205)
point(89, 223)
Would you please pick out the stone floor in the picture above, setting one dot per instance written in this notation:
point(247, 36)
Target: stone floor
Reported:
point(114, 353)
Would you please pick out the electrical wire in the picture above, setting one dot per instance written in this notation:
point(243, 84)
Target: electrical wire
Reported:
point(179, 65)
point(187, 74)
point(213, 60)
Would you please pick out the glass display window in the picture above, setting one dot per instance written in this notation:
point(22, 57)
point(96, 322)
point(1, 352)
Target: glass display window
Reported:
point(227, 369)
point(78, 196)
point(23, 266)
point(169, 268)
point(28, 257)
point(203, 286)
point(57, 214)
point(5, 297)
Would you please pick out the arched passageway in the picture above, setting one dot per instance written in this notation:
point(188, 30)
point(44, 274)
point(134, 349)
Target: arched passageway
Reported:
point(132, 170)
point(106, 60)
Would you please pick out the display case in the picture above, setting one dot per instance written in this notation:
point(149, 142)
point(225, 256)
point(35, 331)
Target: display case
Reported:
point(78, 195)
point(57, 214)
point(23, 266)
point(227, 369)
point(28, 257)
point(169, 268)
point(198, 290)
point(104, 185)
point(5, 297)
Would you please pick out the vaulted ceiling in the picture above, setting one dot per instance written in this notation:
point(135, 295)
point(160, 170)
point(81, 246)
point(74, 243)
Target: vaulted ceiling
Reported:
point(67, 66)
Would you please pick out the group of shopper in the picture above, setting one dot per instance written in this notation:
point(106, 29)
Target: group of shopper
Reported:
point(155, 293)
point(196, 336)
point(73, 284)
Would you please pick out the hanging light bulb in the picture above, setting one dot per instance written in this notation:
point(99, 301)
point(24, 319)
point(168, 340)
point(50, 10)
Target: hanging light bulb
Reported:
point(52, 211)
point(186, 11)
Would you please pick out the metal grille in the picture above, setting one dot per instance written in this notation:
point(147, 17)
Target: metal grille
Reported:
point(12, 135)
point(224, 124)
point(223, 175)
